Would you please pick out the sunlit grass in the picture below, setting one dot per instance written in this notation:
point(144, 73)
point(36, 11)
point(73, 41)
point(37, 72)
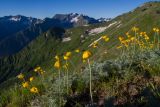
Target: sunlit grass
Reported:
point(134, 43)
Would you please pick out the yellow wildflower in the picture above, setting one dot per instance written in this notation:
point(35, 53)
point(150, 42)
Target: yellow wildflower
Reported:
point(128, 40)
point(127, 33)
point(65, 66)
point(68, 54)
point(118, 47)
point(25, 84)
point(106, 40)
point(31, 79)
point(126, 45)
point(84, 61)
point(104, 37)
point(34, 90)
point(151, 46)
point(95, 44)
point(135, 29)
point(56, 57)
point(20, 76)
point(77, 50)
point(120, 38)
point(141, 34)
point(156, 30)
point(144, 33)
point(65, 57)
point(86, 54)
point(128, 36)
point(146, 37)
point(37, 69)
point(57, 64)
point(132, 38)
point(42, 72)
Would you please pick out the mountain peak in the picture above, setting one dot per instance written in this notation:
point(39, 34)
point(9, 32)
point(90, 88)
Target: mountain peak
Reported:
point(16, 18)
point(76, 19)
point(104, 19)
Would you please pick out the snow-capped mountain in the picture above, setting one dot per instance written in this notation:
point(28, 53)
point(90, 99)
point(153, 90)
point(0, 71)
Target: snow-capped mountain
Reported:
point(20, 18)
point(17, 31)
point(15, 19)
point(10, 25)
point(104, 19)
point(75, 19)
point(13, 24)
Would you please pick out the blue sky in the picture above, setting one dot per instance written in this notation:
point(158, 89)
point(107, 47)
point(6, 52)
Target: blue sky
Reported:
point(47, 8)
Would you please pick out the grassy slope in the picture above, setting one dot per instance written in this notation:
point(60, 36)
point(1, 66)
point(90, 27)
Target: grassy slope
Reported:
point(42, 50)
point(145, 17)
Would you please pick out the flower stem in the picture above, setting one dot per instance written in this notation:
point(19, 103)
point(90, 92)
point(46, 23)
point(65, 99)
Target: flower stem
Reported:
point(90, 81)
point(158, 40)
point(59, 73)
point(135, 42)
point(67, 77)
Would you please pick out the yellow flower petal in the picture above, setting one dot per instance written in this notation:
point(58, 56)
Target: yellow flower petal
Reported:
point(34, 90)
point(68, 54)
point(77, 50)
point(31, 79)
point(25, 84)
point(20, 76)
point(106, 40)
point(86, 54)
point(57, 64)
point(65, 57)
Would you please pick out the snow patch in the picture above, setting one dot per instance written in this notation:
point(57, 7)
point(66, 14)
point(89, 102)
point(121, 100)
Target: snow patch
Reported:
point(112, 24)
point(119, 25)
point(97, 30)
point(85, 25)
point(104, 19)
point(73, 14)
point(75, 19)
point(66, 39)
point(102, 29)
point(15, 19)
point(39, 21)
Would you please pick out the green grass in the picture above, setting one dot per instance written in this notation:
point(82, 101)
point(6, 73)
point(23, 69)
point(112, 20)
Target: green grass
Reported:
point(42, 50)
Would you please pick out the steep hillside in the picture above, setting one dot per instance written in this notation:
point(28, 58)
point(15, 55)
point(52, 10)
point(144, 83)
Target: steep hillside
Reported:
point(145, 17)
point(44, 45)
point(127, 75)
point(23, 29)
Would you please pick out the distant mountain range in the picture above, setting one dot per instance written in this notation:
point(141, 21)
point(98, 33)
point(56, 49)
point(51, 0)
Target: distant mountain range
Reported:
point(12, 24)
point(17, 31)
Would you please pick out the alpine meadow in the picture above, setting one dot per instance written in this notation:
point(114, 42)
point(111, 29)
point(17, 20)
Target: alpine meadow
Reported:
point(74, 60)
